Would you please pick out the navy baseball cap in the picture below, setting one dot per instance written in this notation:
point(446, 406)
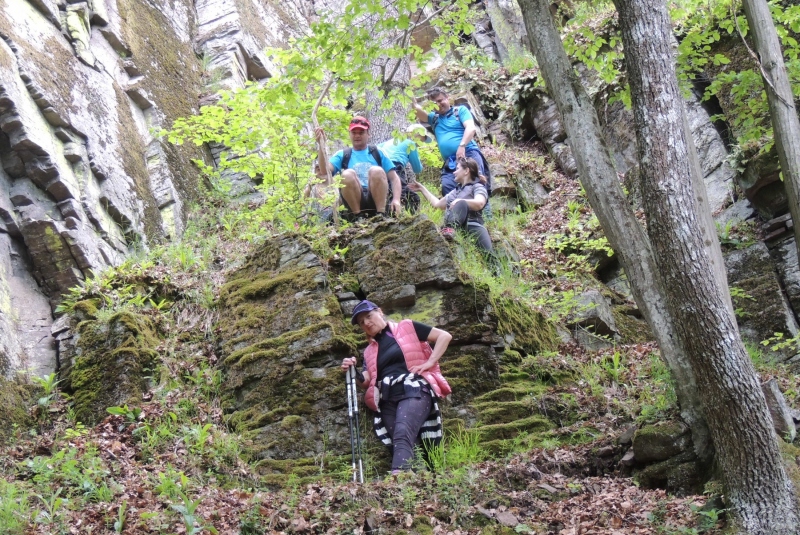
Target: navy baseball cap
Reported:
point(363, 306)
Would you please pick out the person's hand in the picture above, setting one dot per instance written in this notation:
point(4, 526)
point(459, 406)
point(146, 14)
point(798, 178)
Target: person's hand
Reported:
point(415, 186)
point(319, 133)
point(396, 207)
point(421, 368)
point(349, 361)
point(461, 153)
point(455, 201)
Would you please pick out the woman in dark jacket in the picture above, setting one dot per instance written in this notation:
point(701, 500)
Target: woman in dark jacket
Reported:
point(402, 378)
point(464, 205)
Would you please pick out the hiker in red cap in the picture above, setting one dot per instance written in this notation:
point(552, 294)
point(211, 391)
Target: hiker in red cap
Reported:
point(370, 184)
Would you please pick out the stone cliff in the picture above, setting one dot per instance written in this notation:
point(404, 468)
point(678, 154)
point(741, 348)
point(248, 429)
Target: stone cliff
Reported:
point(83, 88)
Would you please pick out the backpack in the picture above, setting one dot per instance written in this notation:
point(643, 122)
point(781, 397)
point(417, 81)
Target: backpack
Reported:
point(373, 151)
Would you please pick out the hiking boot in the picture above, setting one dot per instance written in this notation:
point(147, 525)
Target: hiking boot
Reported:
point(447, 233)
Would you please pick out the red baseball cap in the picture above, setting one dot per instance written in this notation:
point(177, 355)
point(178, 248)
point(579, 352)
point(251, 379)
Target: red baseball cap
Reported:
point(359, 122)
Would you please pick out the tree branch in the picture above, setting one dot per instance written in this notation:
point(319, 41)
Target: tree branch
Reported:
point(764, 74)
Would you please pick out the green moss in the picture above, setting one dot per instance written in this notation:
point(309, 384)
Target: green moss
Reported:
point(531, 424)
point(502, 412)
point(86, 309)
point(113, 358)
point(513, 392)
point(531, 330)
point(633, 330)
point(15, 398)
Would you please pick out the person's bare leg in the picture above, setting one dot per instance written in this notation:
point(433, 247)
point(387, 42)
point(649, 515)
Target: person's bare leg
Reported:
point(351, 191)
point(378, 187)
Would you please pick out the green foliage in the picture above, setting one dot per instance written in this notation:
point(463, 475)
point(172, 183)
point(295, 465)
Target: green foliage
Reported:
point(738, 295)
point(191, 521)
point(780, 341)
point(49, 384)
point(702, 25)
point(457, 449)
point(14, 508)
point(264, 126)
point(130, 415)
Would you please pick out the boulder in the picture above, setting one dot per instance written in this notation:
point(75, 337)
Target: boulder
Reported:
point(530, 192)
point(110, 363)
point(592, 313)
point(661, 441)
point(679, 475)
point(283, 337)
point(762, 310)
point(396, 259)
point(784, 256)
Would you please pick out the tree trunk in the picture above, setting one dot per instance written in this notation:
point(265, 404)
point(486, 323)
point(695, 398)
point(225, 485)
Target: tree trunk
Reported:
point(391, 74)
point(624, 233)
point(735, 408)
point(785, 124)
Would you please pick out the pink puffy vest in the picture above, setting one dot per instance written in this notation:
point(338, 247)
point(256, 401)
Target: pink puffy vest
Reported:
point(415, 353)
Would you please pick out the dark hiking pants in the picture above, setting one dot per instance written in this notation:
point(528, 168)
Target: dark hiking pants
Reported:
point(403, 420)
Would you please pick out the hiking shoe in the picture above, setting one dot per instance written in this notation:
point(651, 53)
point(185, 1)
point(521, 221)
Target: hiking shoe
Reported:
point(447, 233)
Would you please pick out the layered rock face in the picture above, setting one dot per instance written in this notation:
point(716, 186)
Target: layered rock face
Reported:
point(83, 180)
point(285, 328)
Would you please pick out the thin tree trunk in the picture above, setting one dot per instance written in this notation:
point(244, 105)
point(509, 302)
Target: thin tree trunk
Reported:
point(624, 233)
point(735, 408)
point(785, 124)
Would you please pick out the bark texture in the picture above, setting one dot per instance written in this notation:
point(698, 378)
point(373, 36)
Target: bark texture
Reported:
point(736, 411)
point(785, 124)
point(624, 233)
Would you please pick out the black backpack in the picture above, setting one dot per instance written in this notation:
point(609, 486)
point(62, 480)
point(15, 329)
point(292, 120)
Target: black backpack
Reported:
point(373, 151)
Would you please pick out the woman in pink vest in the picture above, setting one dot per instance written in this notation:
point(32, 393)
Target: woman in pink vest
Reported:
point(403, 381)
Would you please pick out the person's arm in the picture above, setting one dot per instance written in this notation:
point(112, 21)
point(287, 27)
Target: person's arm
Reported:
point(439, 340)
point(322, 161)
point(422, 115)
point(469, 131)
point(413, 159)
point(397, 191)
point(351, 361)
point(474, 204)
point(435, 201)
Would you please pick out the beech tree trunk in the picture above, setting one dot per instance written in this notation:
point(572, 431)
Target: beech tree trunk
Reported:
point(785, 124)
point(625, 234)
point(735, 407)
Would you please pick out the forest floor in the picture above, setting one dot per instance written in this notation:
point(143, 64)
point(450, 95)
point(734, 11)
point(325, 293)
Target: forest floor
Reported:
point(173, 466)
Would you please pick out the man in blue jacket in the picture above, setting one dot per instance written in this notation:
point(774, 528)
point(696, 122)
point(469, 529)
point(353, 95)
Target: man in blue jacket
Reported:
point(454, 128)
point(367, 173)
point(405, 152)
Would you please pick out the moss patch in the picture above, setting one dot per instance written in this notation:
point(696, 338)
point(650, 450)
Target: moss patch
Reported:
point(528, 329)
point(111, 363)
point(15, 398)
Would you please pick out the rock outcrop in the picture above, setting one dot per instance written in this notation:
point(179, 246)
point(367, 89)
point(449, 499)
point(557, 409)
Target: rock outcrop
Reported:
point(286, 328)
point(83, 87)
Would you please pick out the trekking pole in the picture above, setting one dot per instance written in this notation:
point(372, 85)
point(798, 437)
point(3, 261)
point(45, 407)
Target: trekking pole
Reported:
point(350, 421)
point(355, 432)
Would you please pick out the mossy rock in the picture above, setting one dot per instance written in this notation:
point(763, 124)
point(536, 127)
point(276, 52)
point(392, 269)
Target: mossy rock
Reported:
point(661, 441)
point(632, 329)
point(523, 327)
point(502, 412)
point(111, 363)
point(282, 336)
point(680, 475)
point(531, 424)
point(513, 392)
point(15, 398)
